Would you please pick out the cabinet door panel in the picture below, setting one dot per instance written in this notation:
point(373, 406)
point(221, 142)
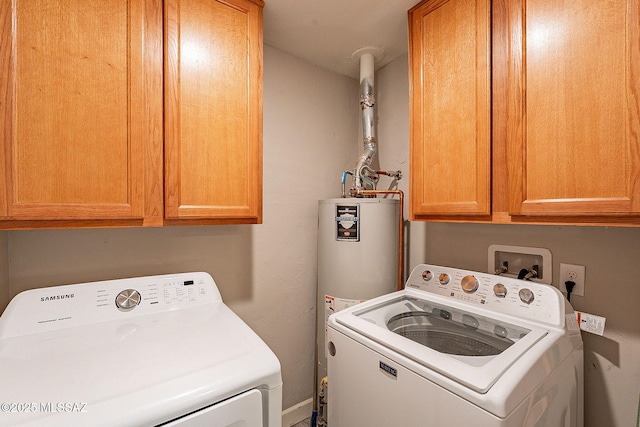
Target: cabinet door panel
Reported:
point(213, 118)
point(574, 100)
point(450, 108)
point(75, 110)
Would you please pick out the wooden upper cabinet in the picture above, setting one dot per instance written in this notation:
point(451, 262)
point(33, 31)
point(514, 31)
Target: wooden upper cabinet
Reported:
point(101, 128)
point(573, 144)
point(213, 110)
point(80, 113)
point(450, 110)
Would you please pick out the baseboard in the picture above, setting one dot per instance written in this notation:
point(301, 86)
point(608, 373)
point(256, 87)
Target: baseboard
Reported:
point(297, 413)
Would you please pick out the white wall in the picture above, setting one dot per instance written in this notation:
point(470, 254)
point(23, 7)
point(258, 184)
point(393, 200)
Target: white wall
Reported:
point(610, 254)
point(266, 273)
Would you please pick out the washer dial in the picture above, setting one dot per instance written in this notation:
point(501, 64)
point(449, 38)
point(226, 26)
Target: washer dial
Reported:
point(500, 290)
point(469, 284)
point(444, 278)
point(128, 299)
point(526, 296)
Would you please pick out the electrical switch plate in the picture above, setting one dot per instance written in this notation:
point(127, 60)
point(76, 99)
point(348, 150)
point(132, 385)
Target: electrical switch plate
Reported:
point(575, 273)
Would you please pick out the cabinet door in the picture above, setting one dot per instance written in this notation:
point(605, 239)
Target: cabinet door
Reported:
point(79, 109)
point(450, 116)
point(574, 99)
point(213, 110)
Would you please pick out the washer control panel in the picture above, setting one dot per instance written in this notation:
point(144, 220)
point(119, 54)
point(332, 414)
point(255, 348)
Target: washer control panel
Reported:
point(512, 296)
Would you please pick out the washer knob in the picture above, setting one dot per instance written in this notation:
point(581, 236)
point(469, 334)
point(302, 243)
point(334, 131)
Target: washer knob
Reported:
point(427, 275)
point(526, 296)
point(444, 278)
point(500, 290)
point(469, 284)
point(128, 299)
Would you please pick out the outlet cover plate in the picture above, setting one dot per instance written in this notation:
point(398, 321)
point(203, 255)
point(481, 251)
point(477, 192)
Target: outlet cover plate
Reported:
point(575, 273)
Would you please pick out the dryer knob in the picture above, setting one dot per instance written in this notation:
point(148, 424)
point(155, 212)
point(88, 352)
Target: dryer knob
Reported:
point(128, 299)
point(526, 296)
point(444, 278)
point(469, 284)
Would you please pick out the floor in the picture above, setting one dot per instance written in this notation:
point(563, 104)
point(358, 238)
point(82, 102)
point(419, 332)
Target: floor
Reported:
point(303, 423)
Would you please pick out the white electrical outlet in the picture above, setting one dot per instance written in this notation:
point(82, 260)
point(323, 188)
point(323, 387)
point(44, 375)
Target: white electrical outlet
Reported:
point(574, 273)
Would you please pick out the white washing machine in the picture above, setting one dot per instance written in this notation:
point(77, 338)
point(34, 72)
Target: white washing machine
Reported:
point(158, 350)
point(456, 348)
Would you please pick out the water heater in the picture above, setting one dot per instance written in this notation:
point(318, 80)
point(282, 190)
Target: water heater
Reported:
point(357, 257)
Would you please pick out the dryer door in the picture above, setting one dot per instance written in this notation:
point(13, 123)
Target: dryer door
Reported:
point(243, 410)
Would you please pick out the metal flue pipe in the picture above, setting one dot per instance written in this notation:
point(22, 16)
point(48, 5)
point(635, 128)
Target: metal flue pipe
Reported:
point(367, 102)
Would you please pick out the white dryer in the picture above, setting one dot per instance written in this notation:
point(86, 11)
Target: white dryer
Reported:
point(456, 348)
point(158, 350)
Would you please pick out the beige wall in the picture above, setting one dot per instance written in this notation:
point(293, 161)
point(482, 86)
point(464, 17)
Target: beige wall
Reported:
point(266, 273)
point(611, 256)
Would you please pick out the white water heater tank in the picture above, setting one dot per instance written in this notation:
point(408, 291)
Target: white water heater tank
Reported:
point(357, 257)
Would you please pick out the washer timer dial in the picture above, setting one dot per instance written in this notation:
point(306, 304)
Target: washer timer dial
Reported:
point(526, 295)
point(128, 299)
point(500, 290)
point(469, 284)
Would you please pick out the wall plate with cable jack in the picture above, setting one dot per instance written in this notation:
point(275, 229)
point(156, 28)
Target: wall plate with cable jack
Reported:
point(574, 273)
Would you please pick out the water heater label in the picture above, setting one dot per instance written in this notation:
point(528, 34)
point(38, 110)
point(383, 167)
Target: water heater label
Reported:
point(332, 305)
point(348, 222)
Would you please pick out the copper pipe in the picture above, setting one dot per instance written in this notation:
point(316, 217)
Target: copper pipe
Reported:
point(359, 192)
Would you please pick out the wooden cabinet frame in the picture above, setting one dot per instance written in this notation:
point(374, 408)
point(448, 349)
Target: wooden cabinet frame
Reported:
point(512, 198)
point(235, 196)
point(569, 164)
point(450, 152)
point(148, 186)
point(135, 201)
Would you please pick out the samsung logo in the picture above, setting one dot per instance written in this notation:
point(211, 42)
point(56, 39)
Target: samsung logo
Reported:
point(56, 297)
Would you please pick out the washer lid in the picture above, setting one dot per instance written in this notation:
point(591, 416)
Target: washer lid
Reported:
point(471, 346)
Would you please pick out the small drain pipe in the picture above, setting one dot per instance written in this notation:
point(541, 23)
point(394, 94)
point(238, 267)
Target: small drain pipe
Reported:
point(322, 403)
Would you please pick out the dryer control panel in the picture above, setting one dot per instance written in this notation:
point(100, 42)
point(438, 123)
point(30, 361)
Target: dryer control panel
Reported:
point(522, 298)
point(58, 307)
